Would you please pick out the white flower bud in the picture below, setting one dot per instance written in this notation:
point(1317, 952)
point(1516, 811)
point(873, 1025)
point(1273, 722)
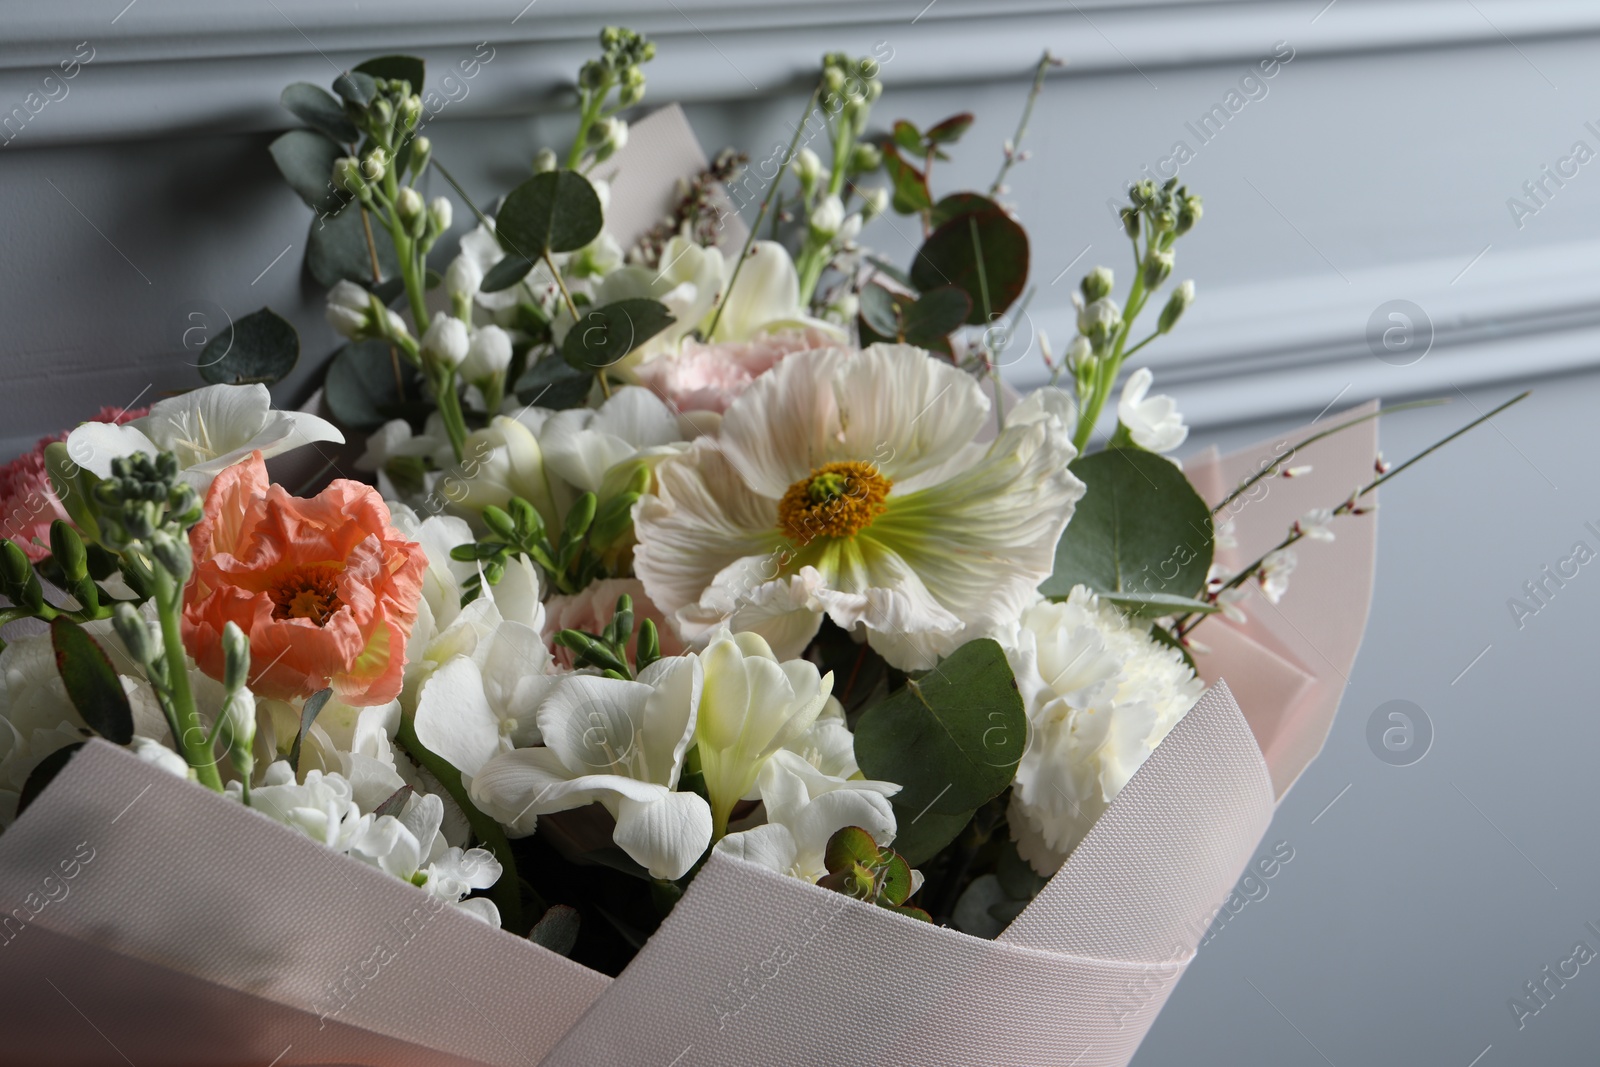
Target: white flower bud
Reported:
point(874, 202)
point(545, 161)
point(408, 205)
point(1079, 351)
point(463, 277)
point(236, 656)
point(488, 354)
point(851, 227)
point(807, 167)
point(828, 216)
point(1177, 304)
point(440, 214)
point(1099, 320)
point(446, 340)
point(375, 165)
point(348, 310)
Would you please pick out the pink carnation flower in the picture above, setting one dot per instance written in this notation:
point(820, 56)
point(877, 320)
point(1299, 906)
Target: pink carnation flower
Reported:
point(707, 377)
point(28, 503)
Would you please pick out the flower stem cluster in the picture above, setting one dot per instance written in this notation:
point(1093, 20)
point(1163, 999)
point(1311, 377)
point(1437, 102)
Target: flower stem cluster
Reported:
point(1154, 220)
point(607, 651)
point(606, 86)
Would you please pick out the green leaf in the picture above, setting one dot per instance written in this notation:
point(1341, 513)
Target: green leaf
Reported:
point(557, 211)
point(1164, 636)
point(1155, 605)
point(305, 159)
point(557, 930)
point(506, 273)
point(936, 314)
point(910, 184)
point(356, 87)
point(950, 256)
point(410, 68)
point(552, 383)
point(958, 204)
point(951, 738)
point(882, 310)
point(318, 109)
point(605, 334)
point(907, 136)
point(950, 130)
point(1140, 530)
point(360, 386)
point(849, 846)
point(894, 878)
point(92, 683)
point(261, 347)
point(308, 715)
point(44, 773)
point(337, 251)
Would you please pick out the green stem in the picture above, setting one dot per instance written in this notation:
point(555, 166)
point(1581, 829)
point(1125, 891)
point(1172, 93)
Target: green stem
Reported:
point(190, 734)
point(505, 893)
point(1046, 61)
point(455, 423)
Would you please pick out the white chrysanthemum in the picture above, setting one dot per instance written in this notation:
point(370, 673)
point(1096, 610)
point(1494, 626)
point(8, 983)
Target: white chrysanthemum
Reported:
point(849, 484)
point(1100, 694)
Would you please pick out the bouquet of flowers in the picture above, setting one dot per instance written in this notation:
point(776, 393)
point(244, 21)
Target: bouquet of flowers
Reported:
point(711, 615)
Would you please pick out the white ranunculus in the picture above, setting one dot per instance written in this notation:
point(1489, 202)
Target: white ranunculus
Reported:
point(619, 743)
point(1152, 421)
point(208, 430)
point(850, 485)
point(1100, 695)
point(752, 706)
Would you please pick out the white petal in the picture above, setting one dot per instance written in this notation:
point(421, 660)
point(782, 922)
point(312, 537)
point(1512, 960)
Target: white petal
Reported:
point(771, 846)
point(666, 833)
point(454, 720)
point(594, 725)
point(94, 445)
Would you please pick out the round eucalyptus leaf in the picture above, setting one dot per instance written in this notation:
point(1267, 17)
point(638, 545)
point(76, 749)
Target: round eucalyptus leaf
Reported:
point(337, 250)
point(983, 253)
point(317, 108)
point(557, 211)
point(360, 387)
point(261, 347)
point(305, 158)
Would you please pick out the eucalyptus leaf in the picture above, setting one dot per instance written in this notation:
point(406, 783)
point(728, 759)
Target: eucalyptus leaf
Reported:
point(305, 159)
point(317, 108)
point(261, 347)
point(952, 739)
point(1140, 531)
point(983, 253)
point(356, 87)
point(557, 929)
point(396, 67)
point(506, 273)
point(910, 184)
point(1155, 605)
point(958, 204)
point(603, 335)
point(44, 772)
point(91, 682)
point(308, 715)
point(337, 250)
point(950, 130)
point(557, 211)
point(360, 386)
point(936, 313)
point(907, 136)
point(553, 383)
point(882, 310)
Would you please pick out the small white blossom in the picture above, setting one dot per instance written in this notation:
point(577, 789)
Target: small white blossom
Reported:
point(1314, 524)
point(1152, 421)
point(488, 354)
point(446, 340)
point(1274, 573)
point(463, 277)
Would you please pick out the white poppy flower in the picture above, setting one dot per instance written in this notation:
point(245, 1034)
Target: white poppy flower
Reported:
point(805, 808)
point(752, 706)
point(1100, 695)
point(621, 744)
point(208, 430)
point(1153, 422)
point(849, 484)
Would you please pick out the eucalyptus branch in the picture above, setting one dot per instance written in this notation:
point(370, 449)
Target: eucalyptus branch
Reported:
point(1046, 61)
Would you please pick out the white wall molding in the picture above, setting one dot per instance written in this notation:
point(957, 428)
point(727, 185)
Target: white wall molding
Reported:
point(162, 67)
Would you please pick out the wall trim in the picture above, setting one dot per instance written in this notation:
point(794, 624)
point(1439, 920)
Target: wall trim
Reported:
point(161, 68)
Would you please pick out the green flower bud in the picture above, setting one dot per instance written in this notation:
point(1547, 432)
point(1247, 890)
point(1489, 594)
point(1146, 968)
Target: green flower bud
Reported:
point(410, 111)
point(1189, 212)
point(632, 90)
point(1177, 304)
point(1097, 283)
point(833, 79)
point(421, 152)
point(135, 634)
point(409, 206)
point(1157, 268)
point(500, 523)
point(235, 657)
point(172, 554)
point(1130, 221)
point(865, 157)
point(376, 164)
point(16, 574)
point(347, 175)
point(593, 74)
point(382, 113)
point(545, 161)
point(66, 547)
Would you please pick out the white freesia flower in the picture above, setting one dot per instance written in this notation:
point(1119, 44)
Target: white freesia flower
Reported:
point(849, 484)
point(765, 297)
point(581, 444)
point(1275, 571)
point(208, 430)
point(1152, 421)
point(1100, 695)
point(804, 809)
point(622, 744)
point(752, 706)
point(502, 460)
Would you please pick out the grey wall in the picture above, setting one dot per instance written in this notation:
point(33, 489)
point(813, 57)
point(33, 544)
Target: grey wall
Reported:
point(1377, 167)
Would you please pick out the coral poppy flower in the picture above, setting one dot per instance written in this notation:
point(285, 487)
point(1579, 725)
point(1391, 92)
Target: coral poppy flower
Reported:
point(326, 587)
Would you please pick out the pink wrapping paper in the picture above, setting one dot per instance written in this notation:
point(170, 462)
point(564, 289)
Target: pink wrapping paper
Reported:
point(200, 932)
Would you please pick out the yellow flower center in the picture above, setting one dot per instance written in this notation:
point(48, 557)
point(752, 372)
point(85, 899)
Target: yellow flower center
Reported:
point(306, 593)
point(835, 500)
